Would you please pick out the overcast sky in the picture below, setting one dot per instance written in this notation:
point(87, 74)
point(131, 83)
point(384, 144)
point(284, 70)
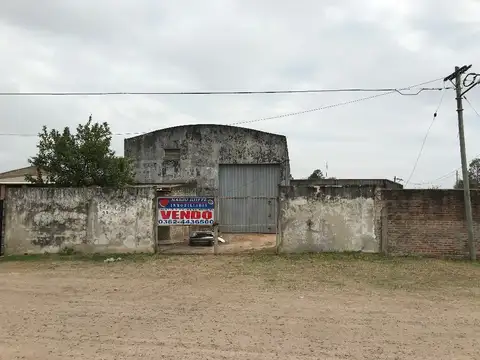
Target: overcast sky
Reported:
point(215, 45)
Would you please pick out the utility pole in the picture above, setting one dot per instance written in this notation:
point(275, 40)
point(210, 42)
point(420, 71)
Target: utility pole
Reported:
point(397, 179)
point(457, 75)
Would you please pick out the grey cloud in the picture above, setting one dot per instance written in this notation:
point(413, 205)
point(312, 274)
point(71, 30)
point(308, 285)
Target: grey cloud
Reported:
point(222, 45)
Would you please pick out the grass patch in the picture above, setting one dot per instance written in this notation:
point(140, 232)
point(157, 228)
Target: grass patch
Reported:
point(68, 256)
point(301, 271)
point(307, 271)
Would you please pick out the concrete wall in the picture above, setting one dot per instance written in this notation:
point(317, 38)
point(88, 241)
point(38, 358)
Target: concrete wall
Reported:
point(201, 148)
point(316, 218)
point(364, 218)
point(426, 222)
point(39, 220)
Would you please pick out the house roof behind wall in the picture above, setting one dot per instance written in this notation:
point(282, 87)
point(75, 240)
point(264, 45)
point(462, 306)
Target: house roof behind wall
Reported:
point(29, 170)
point(17, 176)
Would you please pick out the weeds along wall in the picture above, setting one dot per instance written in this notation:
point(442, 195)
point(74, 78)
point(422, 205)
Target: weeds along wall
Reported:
point(426, 222)
point(48, 220)
point(316, 218)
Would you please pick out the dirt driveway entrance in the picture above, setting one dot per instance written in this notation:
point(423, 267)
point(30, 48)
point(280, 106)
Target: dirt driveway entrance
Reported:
point(235, 244)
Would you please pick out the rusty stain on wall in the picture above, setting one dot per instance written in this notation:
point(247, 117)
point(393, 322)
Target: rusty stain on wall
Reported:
point(40, 220)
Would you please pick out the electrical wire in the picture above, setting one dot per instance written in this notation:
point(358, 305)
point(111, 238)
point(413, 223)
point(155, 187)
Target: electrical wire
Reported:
point(241, 92)
point(425, 138)
point(312, 110)
point(393, 91)
point(473, 108)
point(453, 172)
point(443, 177)
point(341, 104)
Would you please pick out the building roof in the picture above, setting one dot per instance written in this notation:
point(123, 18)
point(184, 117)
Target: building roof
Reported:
point(17, 176)
point(205, 126)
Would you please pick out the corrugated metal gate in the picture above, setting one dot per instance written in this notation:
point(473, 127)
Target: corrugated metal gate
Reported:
point(248, 198)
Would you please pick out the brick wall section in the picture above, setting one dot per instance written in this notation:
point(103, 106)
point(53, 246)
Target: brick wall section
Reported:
point(427, 222)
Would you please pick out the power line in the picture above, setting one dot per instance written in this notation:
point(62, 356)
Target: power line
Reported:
point(393, 91)
point(312, 110)
point(425, 138)
point(453, 172)
point(445, 176)
point(241, 92)
point(469, 103)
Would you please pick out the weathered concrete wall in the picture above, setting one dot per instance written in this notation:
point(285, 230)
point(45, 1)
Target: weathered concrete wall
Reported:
point(39, 220)
point(194, 152)
point(314, 219)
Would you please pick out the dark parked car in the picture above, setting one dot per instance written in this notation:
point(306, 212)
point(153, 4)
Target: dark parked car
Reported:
point(203, 238)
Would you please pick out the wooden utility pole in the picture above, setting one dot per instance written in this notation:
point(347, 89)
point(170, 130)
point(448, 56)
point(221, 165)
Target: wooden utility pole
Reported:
point(457, 76)
point(215, 226)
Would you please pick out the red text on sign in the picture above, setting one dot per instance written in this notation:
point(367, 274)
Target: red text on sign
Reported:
point(185, 214)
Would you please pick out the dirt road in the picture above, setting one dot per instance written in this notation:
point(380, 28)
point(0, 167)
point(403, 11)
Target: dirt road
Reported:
point(201, 307)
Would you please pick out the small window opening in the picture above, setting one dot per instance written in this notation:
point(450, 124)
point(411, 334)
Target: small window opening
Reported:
point(172, 154)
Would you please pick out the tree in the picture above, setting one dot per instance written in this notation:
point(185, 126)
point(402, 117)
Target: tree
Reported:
point(458, 184)
point(473, 175)
point(80, 159)
point(316, 174)
point(474, 172)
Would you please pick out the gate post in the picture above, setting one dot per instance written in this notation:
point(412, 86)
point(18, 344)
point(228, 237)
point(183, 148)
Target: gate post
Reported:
point(215, 226)
point(384, 229)
point(279, 236)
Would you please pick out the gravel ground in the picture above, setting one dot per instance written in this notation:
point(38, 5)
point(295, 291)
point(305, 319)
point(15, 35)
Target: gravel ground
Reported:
point(239, 307)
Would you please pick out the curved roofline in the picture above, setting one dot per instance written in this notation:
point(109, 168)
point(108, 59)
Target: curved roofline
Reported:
point(207, 125)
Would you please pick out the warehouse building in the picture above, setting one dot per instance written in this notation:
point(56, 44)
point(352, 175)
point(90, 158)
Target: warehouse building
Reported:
point(242, 167)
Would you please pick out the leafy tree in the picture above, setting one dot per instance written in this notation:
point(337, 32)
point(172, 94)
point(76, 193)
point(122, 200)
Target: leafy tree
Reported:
point(316, 174)
point(458, 184)
point(474, 172)
point(81, 159)
point(473, 175)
